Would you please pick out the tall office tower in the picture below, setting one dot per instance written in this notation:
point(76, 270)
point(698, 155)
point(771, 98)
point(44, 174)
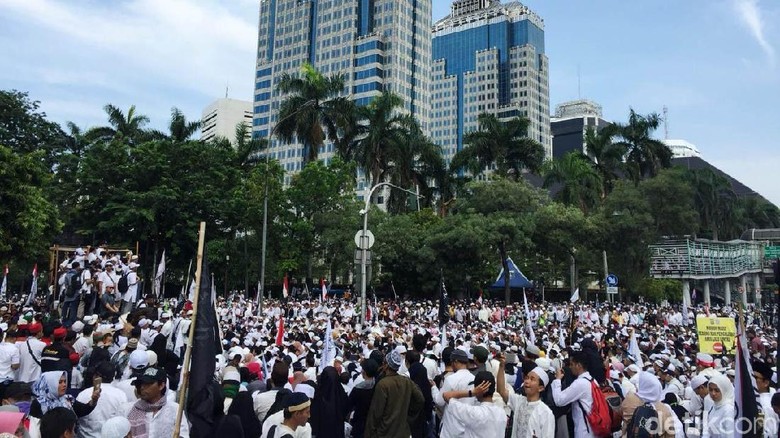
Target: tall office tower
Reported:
point(488, 57)
point(376, 44)
point(571, 122)
point(220, 118)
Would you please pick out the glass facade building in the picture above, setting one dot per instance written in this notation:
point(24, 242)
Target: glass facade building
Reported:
point(488, 57)
point(375, 44)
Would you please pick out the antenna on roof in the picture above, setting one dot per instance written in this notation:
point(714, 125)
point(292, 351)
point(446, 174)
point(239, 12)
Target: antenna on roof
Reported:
point(226, 90)
point(666, 122)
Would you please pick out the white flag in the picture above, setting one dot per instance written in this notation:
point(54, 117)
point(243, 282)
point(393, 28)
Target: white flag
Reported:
point(575, 296)
point(561, 339)
point(329, 350)
point(191, 292)
point(158, 277)
point(531, 334)
point(33, 287)
point(4, 286)
point(633, 350)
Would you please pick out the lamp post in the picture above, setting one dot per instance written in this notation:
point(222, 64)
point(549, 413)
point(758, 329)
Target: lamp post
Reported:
point(261, 284)
point(364, 247)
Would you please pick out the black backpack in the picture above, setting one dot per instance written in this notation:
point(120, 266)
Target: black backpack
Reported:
point(74, 284)
point(644, 423)
point(122, 285)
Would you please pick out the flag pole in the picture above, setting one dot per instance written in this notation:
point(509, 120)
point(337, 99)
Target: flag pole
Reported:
point(188, 353)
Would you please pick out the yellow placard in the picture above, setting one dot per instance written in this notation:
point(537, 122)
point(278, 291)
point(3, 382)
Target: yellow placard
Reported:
point(716, 335)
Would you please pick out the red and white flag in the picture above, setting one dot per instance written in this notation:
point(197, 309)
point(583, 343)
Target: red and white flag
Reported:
point(324, 289)
point(280, 332)
point(479, 300)
point(285, 288)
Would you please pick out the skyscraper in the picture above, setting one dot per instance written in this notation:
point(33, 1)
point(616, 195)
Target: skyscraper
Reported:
point(220, 118)
point(488, 57)
point(376, 44)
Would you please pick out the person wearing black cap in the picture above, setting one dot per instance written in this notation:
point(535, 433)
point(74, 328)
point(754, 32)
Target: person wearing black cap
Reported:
point(297, 410)
point(153, 415)
point(460, 380)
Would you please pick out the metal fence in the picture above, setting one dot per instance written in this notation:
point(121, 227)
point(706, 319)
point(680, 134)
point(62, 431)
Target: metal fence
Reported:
point(703, 259)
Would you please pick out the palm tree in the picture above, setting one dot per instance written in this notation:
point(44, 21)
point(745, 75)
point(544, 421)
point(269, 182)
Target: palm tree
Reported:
point(414, 160)
point(129, 126)
point(248, 149)
point(715, 201)
point(645, 156)
point(383, 130)
point(504, 145)
point(580, 183)
point(180, 130)
point(310, 110)
point(607, 156)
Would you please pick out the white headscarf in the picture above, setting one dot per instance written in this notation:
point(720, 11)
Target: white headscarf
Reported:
point(648, 387)
point(726, 389)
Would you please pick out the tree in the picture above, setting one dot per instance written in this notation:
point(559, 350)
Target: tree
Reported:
point(562, 232)
point(248, 150)
point(505, 209)
point(645, 156)
point(504, 145)
point(310, 109)
point(671, 201)
point(179, 129)
point(714, 200)
point(28, 221)
point(607, 156)
point(129, 127)
point(414, 161)
point(384, 128)
point(580, 184)
point(24, 129)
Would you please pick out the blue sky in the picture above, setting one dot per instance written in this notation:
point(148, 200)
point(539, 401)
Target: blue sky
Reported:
point(713, 63)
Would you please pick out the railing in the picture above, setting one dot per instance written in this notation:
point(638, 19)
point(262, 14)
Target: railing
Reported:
point(702, 259)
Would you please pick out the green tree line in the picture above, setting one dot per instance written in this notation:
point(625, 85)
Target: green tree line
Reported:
point(125, 183)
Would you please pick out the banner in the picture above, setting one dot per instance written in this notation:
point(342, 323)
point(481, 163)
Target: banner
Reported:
point(716, 335)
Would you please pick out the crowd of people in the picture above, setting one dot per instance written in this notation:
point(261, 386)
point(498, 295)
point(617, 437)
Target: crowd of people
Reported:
point(99, 362)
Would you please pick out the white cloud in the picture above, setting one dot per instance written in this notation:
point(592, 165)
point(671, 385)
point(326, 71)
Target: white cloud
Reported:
point(133, 51)
point(751, 16)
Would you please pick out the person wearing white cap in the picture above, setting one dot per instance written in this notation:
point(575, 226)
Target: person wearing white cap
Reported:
point(532, 418)
point(673, 384)
point(116, 427)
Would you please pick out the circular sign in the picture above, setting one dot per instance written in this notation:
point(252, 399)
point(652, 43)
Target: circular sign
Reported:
point(364, 241)
point(612, 280)
point(718, 347)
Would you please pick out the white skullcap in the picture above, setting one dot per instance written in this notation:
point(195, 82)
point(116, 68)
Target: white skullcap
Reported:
point(304, 388)
point(116, 427)
point(699, 380)
point(542, 375)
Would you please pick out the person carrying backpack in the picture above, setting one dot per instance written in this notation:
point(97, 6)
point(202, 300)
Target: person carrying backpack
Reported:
point(71, 293)
point(579, 394)
point(644, 415)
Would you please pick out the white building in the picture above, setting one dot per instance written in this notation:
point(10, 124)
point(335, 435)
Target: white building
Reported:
point(682, 148)
point(488, 57)
point(221, 117)
point(376, 45)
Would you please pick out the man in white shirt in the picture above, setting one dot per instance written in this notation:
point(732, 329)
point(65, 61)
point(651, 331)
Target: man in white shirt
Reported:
point(532, 418)
point(110, 404)
point(578, 394)
point(297, 411)
point(460, 380)
point(483, 420)
point(9, 356)
point(128, 298)
point(263, 401)
point(30, 351)
point(108, 277)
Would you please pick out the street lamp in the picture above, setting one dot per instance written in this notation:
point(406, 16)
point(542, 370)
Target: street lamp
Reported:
point(364, 245)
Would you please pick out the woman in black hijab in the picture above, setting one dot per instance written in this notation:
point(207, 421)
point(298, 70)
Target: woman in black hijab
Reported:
point(329, 406)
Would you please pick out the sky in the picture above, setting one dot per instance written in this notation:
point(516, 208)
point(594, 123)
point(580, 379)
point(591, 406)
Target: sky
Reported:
point(715, 64)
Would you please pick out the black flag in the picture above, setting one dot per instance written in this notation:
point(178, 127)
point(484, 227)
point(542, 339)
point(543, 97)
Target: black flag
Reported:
point(204, 402)
point(747, 398)
point(444, 303)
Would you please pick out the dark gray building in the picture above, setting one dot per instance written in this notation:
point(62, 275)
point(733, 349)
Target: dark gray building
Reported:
point(571, 121)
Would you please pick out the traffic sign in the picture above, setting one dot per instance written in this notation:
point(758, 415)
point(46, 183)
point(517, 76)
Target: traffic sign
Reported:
point(612, 290)
point(771, 252)
point(364, 241)
point(612, 280)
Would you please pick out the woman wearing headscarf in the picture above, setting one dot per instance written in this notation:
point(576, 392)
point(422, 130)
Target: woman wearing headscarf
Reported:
point(719, 419)
point(329, 407)
point(649, 392)
point(49, 392)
